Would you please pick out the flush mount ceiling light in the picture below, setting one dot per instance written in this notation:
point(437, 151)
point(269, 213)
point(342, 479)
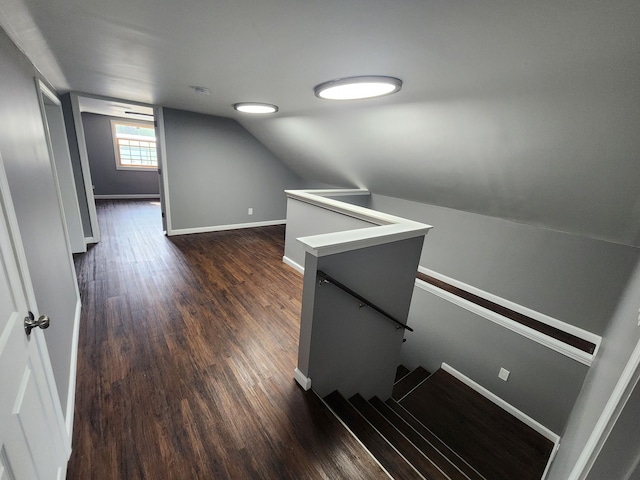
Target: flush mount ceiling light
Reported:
point(355, 88)
point(254, 107)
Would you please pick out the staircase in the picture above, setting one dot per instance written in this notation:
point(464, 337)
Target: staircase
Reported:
point(435, 427)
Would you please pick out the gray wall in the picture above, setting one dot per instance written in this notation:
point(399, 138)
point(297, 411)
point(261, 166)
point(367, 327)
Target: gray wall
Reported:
point(107, 179)
point(76, 164)
point(618, 342)
point(617, 460)
point(304, 219)
point(574, 279)
point(216, 170)
point(354, 349)
point(33, 190)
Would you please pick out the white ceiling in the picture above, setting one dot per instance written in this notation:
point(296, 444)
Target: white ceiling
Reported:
point(525, 110)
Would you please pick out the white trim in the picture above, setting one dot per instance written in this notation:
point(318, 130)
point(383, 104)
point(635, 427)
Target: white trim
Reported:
point(116, 151)
point(76, 245)
point(22, 271)
point(553, 322)
point(612, 410)
point(161, 148)
point(73, 371)
point(66, 411)
point(220, 228)
point(523, 417)
point(86, 170)
point(385, 228)
point(292, 264)
point(527, 332)
point(337, 192)
point(302, 379)
point(88, 240)
point(128, 196)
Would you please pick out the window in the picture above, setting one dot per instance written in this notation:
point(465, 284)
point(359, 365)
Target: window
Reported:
point(135, 145)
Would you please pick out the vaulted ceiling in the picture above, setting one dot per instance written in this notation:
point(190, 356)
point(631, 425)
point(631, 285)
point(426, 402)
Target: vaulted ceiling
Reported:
point(524, 110)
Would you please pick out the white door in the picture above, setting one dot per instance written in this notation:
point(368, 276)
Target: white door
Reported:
point(32, 442)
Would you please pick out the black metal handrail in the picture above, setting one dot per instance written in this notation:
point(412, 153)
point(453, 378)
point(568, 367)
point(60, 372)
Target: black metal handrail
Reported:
point(329, 279)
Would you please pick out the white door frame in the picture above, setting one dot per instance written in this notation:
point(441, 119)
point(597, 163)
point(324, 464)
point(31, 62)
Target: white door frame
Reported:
point(69, 408)
point(161, 146)
point(86, 171)
point(70, 210)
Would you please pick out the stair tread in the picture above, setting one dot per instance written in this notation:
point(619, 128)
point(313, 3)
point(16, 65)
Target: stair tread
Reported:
point(407, 449)
point(389, 458)
point(503, 447)
point(409, 382)
point(435, 449)
point(401, 372)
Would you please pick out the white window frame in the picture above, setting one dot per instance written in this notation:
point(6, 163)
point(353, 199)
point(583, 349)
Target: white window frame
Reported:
point(116, 150)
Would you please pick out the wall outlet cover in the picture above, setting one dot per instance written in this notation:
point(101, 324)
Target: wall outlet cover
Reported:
point(504, 374)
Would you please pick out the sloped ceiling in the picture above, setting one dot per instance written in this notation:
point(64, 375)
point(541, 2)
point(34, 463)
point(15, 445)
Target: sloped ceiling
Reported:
point(525, 110)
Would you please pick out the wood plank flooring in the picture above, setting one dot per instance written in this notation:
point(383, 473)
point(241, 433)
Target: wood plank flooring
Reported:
point(186, 358)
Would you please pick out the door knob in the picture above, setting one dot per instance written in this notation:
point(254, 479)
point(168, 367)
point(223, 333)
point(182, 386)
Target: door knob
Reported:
point(30, 322)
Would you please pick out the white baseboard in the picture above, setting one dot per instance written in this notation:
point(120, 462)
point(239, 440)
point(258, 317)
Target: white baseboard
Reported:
point(128, 196)
point(302, 379)
point(538, 427)
point(292, 264)
point(220, 228)
point(73, 371)
point(88, 240)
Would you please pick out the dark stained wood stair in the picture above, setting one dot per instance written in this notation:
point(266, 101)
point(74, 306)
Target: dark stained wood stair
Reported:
point(388, 457)
point(419, 433)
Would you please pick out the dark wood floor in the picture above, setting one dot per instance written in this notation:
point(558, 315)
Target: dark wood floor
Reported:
point(186, 358)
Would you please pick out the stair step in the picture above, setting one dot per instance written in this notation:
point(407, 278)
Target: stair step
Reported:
point(448, 461)
point(408, 450)
point(386, 455)
point(503, 447)
point(409, 382)
point(401, 372)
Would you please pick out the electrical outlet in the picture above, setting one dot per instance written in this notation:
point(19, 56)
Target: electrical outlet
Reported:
point(250, 211)
point(639, 318)
point(504, 374)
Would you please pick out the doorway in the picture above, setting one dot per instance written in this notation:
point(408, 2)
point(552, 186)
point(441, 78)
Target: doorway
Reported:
point(111, 139)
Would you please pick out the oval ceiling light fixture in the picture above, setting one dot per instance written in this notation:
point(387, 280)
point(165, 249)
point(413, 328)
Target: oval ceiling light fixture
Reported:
point(255, 107)
point(356, 88)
